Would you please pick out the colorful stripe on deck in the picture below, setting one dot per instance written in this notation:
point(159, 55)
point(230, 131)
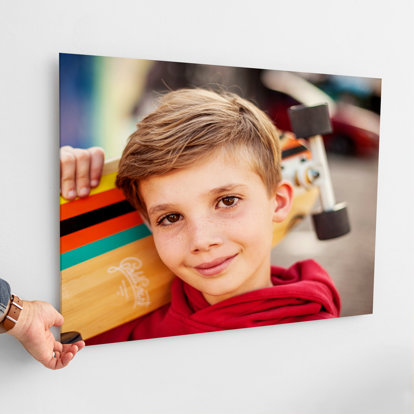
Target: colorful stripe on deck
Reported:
point(88, 251)
point(99, 231)
point(97, 224)
point(91, 218)
point(83, 205)
point(107, 183)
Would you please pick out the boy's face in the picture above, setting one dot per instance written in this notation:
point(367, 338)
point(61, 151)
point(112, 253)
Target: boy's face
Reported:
point(212, 224)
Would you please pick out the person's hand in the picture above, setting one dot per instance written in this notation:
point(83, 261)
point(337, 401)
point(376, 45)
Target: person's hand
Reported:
point(80, 170)
point(33, 331)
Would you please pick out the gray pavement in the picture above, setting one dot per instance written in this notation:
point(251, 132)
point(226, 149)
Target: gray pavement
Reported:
point(348, 259)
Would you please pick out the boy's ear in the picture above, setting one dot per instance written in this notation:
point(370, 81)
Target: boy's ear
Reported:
point(284, 198)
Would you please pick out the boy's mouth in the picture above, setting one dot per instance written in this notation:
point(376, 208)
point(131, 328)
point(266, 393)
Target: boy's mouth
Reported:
point(215, 266)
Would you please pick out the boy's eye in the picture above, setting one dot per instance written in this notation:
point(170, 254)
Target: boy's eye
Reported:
point(169, 219)
point(229, 201)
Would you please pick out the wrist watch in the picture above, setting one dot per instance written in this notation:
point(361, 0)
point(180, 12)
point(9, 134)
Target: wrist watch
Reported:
point(10, 307)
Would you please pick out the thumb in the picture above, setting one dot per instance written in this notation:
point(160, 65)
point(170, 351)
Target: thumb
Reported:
point(51, 315)
point(59, 319)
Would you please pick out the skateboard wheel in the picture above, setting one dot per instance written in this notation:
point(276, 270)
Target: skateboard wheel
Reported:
point(308, 121)
point(333, 223)
point(70, 337)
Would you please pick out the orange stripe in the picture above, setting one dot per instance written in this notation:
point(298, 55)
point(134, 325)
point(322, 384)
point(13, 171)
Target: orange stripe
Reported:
point(99, 231)
point(290, 143)
point(83, 205)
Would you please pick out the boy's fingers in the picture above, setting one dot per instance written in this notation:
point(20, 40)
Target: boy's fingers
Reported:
point(80, 170)
point(67, 173)
point(97, 161)
point(83, 163)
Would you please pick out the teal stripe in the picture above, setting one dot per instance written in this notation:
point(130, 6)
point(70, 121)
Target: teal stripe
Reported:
point(91, 250)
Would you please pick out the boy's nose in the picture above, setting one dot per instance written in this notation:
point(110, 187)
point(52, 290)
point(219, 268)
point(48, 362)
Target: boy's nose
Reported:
point(203, 235)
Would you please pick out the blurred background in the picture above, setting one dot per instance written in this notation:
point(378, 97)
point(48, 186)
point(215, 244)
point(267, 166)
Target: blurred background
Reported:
point(102, 99)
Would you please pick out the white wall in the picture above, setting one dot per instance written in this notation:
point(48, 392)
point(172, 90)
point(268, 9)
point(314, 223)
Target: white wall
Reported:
point(351, 365)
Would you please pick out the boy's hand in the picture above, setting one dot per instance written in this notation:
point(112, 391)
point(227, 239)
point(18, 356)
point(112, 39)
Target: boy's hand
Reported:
point(33, 331)
point(80, 170)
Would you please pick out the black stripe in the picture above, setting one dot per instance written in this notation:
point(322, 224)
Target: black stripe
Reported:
point(90, 218)
point(293, 151)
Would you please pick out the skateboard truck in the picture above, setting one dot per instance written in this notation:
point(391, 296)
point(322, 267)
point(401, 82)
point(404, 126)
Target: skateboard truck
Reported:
point(311, 122)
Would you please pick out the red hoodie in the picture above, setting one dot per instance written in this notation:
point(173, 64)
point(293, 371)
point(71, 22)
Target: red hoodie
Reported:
point(303, 292)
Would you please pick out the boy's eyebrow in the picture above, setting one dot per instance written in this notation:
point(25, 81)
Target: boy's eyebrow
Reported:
point(227, 187)
point(159, 208)
point(219, 190)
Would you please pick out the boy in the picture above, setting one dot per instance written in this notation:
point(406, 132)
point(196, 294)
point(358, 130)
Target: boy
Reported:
point(204, 171)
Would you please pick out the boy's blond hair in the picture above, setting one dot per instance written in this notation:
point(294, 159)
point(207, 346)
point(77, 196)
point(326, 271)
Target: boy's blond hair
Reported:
point(190, 124)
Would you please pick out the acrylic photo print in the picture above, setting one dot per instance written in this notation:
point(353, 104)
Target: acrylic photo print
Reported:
point(229, 197)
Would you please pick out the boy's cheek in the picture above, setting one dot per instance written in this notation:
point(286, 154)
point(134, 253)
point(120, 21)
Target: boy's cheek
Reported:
point(169, 247)
point(254, 219)
point(257, 230)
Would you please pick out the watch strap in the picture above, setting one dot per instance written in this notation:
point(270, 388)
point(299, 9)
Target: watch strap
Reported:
point(16, 306)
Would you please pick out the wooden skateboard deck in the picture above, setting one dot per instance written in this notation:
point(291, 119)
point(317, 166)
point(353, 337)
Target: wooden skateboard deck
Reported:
point(110, 270)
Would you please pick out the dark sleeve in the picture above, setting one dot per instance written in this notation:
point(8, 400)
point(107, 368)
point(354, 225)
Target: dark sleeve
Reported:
point(4, 297)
